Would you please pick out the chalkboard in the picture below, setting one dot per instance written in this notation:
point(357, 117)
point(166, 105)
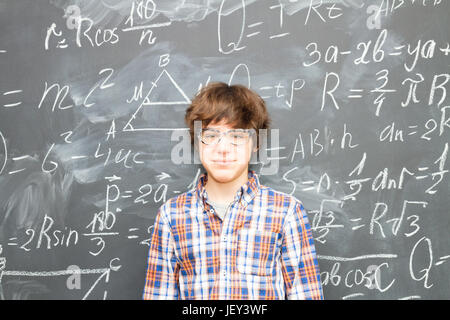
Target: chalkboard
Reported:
point(94, 92)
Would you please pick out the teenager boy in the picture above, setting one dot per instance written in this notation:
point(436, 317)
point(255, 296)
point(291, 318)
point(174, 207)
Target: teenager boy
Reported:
point(231, 237)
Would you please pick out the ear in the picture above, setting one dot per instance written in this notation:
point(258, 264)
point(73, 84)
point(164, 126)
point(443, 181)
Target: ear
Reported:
point(254, 146)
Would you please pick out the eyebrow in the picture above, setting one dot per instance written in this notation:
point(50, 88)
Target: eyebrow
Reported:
point(216, 128)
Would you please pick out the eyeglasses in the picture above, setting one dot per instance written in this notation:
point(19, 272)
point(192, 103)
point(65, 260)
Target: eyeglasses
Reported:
point(235, 136)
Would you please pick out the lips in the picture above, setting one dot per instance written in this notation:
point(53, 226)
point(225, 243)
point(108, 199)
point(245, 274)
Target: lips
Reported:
point(222, 162)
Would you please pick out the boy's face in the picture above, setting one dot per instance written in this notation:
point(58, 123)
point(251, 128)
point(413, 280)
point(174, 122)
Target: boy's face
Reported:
point(226, 161)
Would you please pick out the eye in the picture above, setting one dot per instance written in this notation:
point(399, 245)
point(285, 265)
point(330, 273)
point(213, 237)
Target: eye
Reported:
point(239, 134)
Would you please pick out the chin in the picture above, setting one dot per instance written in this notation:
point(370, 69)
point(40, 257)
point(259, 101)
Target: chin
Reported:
point(225, 174)
point(224, 179)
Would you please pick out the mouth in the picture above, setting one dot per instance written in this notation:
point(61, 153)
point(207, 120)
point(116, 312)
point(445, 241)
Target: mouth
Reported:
point(223, 162)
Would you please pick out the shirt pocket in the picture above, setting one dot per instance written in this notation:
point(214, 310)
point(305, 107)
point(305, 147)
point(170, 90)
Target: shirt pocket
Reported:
point(256, 252)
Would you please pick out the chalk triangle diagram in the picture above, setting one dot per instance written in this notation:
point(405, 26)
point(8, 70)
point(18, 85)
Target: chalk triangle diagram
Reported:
point(147, 101)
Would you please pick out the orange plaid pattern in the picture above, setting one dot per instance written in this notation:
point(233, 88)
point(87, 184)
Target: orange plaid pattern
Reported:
point(263, 249)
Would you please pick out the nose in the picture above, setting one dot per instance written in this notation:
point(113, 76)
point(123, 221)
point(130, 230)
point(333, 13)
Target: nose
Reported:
point(224, 146)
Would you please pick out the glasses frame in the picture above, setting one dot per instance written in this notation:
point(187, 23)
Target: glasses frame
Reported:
point(250, 131)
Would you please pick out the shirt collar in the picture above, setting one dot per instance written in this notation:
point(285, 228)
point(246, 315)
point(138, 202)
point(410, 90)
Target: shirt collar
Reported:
point(245, 194)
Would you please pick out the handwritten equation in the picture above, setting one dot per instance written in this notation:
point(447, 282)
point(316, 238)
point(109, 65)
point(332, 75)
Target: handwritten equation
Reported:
point(358, 91)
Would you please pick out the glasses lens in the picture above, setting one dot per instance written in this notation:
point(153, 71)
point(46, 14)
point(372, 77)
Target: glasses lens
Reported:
point(210, 136)
point(238, 136)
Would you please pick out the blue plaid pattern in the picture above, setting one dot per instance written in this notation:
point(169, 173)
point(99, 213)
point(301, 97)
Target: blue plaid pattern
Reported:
point(263, 249)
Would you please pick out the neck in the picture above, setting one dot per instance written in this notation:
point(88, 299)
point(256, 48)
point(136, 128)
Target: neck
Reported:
point(224, 192)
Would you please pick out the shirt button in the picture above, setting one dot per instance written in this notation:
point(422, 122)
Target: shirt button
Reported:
point(224, 273)
point(211, 210)
point(224, 238)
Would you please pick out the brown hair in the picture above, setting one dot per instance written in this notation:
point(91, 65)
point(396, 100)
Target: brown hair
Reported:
point(236, 104)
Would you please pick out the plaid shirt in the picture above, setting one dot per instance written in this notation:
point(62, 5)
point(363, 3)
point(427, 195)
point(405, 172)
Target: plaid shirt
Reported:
point(263, 249)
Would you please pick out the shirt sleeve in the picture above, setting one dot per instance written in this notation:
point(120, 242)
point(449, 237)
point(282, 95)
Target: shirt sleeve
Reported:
point(162, 267)
point(298, 258)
